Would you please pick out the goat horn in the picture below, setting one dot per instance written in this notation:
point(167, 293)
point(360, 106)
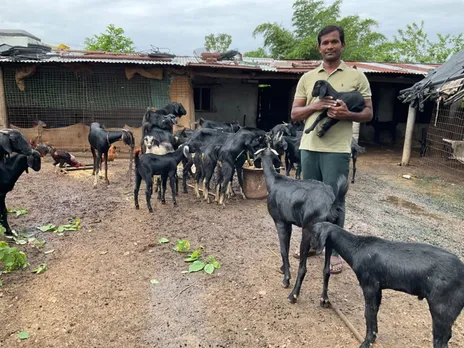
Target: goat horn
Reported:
point(259, 151)
point(274, 152)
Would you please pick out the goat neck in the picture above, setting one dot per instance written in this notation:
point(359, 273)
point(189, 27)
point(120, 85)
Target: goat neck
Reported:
point(178, 154)
point(344, 243)
point(15, 166)
point(270, 173)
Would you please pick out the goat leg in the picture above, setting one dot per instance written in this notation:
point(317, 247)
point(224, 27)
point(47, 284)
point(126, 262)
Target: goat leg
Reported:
point(148, 193)
point(354, 168)
point(106, 169)
point(94, 160)
point(138, 180)
point(324, 301)
point(284, 230)
point(372, 298)
point(304, 250)
point(172, 182)
point(443, 317)
point(326, 126)
point(164, 180)
point(3, 215)
point(316, 121)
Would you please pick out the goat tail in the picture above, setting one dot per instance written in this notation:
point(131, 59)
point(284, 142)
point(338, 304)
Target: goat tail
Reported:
point(342, 189)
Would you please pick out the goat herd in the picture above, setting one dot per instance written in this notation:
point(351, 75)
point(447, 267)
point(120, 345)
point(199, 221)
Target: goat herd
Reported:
point(418, 269)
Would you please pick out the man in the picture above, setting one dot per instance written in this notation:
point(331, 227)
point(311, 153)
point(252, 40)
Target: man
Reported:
point(326, 158)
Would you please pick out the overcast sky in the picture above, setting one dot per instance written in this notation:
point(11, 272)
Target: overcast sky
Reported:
point(181, 25)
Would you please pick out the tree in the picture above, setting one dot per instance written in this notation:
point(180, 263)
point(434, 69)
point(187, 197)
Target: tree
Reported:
point(277, 39)
point(217, 43)
point(413, 45)
point(259, 53)
point(309, 16)
point(113, 40)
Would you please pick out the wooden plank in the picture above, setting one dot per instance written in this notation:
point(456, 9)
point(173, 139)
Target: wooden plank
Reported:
point(3, 109)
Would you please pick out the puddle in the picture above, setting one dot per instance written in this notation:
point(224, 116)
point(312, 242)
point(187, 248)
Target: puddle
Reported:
point(399, 202)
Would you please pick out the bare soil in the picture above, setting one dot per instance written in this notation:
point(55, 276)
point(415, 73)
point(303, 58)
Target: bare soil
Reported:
point(97, 290)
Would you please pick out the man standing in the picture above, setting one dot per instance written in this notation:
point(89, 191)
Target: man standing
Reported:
point(328, 157)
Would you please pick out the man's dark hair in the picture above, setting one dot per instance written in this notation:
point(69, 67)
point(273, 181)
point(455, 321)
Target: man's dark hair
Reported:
point(328, 29)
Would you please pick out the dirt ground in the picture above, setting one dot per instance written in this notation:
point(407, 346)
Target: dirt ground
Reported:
point(97, 291)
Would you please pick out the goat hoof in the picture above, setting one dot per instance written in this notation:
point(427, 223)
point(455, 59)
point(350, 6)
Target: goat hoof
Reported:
point(320, 134)
point(150, 210)
point(175, 204)
point(285, 284)
point(292, 298)
point(163, 201)
point(185, 191)
point(325, 303)
point(352, 181)
point(137, 207)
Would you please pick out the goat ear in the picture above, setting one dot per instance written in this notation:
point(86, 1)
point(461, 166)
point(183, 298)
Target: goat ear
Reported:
point(323, 90)
point(5, 143)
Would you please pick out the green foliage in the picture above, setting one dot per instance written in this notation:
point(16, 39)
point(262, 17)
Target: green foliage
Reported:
point(217, 43)
point(18, 212)
point(23, 335)
point(73, 225)
point(182, 246)
point(11, 258)
point(163, 240)
point(113, 40)
point(40, 269)
point(277, 39)
point(259, 53)
point(413, 45)
point(363, 42)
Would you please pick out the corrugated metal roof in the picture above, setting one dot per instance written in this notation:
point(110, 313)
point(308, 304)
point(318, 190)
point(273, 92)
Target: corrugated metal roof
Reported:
point(263, 64)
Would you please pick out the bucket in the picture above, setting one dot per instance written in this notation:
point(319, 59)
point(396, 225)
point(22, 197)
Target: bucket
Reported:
point(254, 184)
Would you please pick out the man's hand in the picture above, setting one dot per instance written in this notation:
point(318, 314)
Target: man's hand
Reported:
point(339, 112)
point(324, 103)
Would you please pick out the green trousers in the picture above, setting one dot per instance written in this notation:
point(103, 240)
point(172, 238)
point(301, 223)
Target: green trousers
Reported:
point(326, 167)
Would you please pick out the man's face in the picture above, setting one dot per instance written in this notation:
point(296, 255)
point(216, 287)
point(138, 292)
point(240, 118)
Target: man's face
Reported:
point(331, 47)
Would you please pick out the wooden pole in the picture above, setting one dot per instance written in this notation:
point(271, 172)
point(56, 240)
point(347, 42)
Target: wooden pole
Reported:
point(408, 136)
point(3, 110)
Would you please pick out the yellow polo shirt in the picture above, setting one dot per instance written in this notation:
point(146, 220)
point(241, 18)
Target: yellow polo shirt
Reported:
point(343, 79)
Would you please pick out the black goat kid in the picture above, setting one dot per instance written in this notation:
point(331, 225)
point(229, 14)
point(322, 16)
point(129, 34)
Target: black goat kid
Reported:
point(10, 171)
point(12, 140)
point(422, 270)
point(353, 100)
point(164, 165)
point(100, 141)
point(297, 202)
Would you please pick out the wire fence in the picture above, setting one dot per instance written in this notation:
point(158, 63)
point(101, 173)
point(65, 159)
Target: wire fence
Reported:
point(57, 103)
point(443, 144)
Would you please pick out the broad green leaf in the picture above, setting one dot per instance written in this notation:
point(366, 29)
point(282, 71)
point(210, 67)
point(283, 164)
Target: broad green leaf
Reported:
point(41, 269)
point(163, 240)
point(154, 281)
point(61, 228)
point(182, 246)
point(213, 261)
point(21, 241)
point(196, 266)
point(47, 228)
point(23, 335)
point(191, 259)
point(209, 268)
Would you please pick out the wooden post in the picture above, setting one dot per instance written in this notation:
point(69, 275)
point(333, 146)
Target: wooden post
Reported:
point(3, 110)
point(356, 130)
point(408, 136)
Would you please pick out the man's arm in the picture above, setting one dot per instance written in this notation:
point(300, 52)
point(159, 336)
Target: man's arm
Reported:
point(301, 111)
point(342, 113)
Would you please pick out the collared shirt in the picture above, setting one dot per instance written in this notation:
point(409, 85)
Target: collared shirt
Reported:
point(343, 79)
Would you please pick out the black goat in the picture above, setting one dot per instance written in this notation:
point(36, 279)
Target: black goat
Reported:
point(12, 140)
point(355, 149)
point(291, 147)
point(284, 128)
point(422, 270)
point(353, 100)
point(297, 202)
point(100, 141)
point(220, 126)
point(10, 171)
point(164, 165)
point(232, 156)
point(162, 122)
